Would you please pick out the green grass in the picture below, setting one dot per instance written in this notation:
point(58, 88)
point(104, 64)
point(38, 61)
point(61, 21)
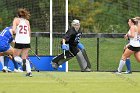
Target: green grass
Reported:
point(71, 82)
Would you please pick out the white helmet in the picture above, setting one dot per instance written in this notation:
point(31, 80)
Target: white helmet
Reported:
point(75, 21)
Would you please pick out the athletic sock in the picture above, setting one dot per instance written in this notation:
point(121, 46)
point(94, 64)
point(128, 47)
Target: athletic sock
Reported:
point(6, 60)
point(15, 64)
point(24, 65)
point(28, 67)
point(121, 64)
point(128, 64)
point(2, 61)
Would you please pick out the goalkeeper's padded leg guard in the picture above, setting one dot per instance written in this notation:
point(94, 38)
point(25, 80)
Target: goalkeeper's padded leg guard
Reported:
point(82, 62)
point(59, 60)
point(86, 58)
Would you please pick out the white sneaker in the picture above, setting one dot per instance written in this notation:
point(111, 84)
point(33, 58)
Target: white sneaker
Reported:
point(9, 70)
point(5, 69)
point(19, 70)
point(15, 70)
point(117, 72)
point(128, 72)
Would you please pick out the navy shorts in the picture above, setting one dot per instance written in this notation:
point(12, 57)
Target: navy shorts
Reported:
point(21, 46)
point(136, 49)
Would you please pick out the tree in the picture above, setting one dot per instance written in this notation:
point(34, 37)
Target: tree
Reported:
point(106, 16)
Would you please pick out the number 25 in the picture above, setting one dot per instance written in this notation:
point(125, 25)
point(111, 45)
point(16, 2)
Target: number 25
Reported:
point(23, 29)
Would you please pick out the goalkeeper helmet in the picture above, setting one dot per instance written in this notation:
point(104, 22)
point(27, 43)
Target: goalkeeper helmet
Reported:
point(75, 21)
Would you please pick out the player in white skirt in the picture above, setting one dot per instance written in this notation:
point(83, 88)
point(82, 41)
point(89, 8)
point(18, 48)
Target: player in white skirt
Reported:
point(22, 31)
point(134, 46)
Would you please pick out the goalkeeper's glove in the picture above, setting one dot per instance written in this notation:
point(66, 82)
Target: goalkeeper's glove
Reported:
point(80, 46)
point(65, 47)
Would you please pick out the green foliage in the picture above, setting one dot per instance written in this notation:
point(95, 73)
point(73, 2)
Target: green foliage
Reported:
point(99, 16)
point(106, 16)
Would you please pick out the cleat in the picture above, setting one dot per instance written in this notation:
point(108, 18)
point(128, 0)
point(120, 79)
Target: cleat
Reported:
point(9, 70)
point(86, 70)
point(17, 70)
point(29, 74)
point(6, 70)
point(128, 72)
point(117, 72)
point(55, 65)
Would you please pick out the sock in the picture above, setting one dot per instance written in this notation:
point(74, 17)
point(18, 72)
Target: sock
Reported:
point(122, 63)
point(2, 61)
point(6, 60)
point(128, 64)
point(18, 59)
point(28, 67)
point(24, 65)
point(15, 64)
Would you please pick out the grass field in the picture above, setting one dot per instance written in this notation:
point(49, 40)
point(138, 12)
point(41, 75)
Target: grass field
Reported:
point(71, 82)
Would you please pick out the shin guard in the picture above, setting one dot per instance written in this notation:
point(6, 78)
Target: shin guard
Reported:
point(59, 60)
point(24, 65)
point(2, 60)
point(82, 62)
point(86, 58)
point(6, 60)
point(28, 67)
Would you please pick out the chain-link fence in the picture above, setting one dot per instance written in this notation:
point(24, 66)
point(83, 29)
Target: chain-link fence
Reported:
point(104, 50)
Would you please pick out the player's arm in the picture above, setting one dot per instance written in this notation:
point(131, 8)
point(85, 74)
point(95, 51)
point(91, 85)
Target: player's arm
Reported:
point(64, 45)
point(13, 43)
point(65, 39)
point(29, 28)
point(132, 32)
point(14, 25)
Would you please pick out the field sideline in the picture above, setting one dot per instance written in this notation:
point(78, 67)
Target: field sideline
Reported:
point(71, 82)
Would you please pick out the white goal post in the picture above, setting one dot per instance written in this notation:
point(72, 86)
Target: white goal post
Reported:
point(51, 26)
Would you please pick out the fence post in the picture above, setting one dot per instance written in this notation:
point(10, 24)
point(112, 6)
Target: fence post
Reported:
point(97, 54)
point(36, 45)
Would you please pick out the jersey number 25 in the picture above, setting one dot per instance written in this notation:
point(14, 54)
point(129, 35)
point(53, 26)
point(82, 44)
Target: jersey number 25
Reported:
point(23, 29)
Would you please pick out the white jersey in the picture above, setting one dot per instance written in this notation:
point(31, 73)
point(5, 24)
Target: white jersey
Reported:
point(22, 32)
point(135, 41)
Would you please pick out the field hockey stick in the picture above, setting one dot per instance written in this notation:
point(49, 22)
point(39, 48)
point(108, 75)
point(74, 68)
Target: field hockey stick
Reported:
point(35, 54)
point(32, 64)
point(64, 54)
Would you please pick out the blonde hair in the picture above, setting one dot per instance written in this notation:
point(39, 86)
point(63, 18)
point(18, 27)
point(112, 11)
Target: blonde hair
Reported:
point(23, 13)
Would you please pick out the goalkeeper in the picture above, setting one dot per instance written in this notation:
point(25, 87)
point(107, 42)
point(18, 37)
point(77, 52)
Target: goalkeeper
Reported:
point(72, 47)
